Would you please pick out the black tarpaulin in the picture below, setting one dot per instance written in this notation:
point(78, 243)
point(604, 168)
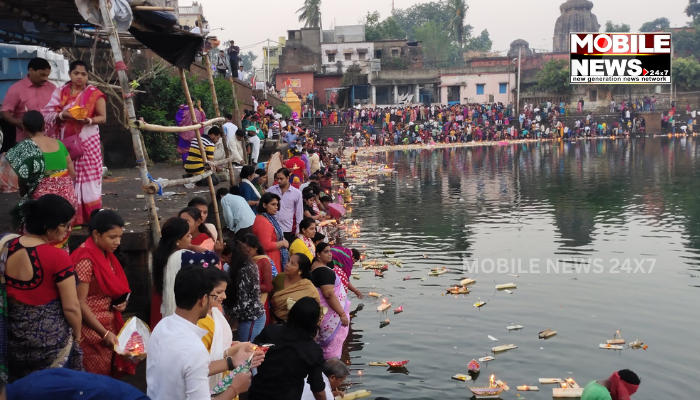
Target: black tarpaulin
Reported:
point(178, 49)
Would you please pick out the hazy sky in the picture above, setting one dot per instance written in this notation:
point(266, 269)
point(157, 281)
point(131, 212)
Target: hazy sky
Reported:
point(249, 22)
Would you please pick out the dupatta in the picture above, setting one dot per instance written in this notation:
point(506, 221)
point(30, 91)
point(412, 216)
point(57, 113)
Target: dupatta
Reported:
point(284, 253)
point(330, 324)
point(27, 161)
point(299, 290)
point(221, 341)
point(60, 102)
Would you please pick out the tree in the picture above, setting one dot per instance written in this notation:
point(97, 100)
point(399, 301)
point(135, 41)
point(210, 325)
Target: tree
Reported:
point(553, 77)
point(693, 9)
point(480, 43)
point(415, 16)
point(458, 9)
point(434, 39)
point(659, 24)
point(310, 13)
point(686, 72)
point(247, 60)
point(610, 27)
point(384, 30)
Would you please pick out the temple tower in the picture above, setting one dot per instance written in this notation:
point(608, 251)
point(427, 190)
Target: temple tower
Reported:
point(576, 16)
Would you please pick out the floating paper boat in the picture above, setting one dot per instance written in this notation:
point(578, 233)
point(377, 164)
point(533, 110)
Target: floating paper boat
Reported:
point(355, 395)
point(462, 377)
point(607, 346)
point(487, 359)
point(378, 364)
point(616, 339)
point(374, 294)
point(384, 323)
point(636, 344)
point(385, 305)
point(467, 281)
point(479, 304)
point(438, 271)
point(458, 290)
point(398, 310)
point(547, 333)
point(514, 327)
point(486, 392)
point(549, 381)
point(397, 364)
point(526, 388)
point(503, 347)
point(506, 286)
point(473, 366)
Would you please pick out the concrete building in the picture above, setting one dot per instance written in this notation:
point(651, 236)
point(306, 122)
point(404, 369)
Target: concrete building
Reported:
point(337, 57)
point(271, 57)
point(343, 34)
point(188, 15)
point(490, 85)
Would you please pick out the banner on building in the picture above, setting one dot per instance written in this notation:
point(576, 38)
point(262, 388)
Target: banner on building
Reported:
point(620, 58)
point(294, 82)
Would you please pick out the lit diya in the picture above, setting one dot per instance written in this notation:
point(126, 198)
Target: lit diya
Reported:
point(397, 364)
point(378, 273)
point(458, 290)
point(398, 310)
point(384, 306)
point(617, 339)
point(490, 392)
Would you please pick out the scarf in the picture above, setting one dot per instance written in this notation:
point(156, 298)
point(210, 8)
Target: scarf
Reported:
point(299, 290)
point(284, 253)
point(252, 186)
point(309, 244)
point(61, 101)
point(27, 160)
point(619, 389)
point(109, 274)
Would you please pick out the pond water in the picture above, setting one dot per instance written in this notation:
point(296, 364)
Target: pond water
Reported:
point(629, 209)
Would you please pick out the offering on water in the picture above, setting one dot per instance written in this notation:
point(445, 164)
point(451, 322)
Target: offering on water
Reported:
point(462, 377)
point(567, 392)
point(384, 323)
point(387, 252)
point(502, 385)
point(505, 286)
point(378, 273)
point(490, 392)
point(438, 271)
point(378, 364)
point(547, 333)
point(373, 294)
point(479, 303)
point(385, 305)
point(397, 364)
point(407, 277)
point(526, 388)
point(354, 395)
point(356, 276)
point(608, 346)
point(503, 347)
point(617, 339)
point(487, 359)
point(493, 338)
point(473, 366)
point(458, 290)
point(467, 281)
point(398, 310)
point(549, 381)
point(514, 327)
point(570, 382)
point(507, 291)
point(636, 344)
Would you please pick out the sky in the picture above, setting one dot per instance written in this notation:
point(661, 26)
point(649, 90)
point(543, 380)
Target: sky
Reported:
point(250, 22)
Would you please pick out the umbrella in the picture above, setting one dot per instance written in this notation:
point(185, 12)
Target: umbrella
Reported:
point(330, 140)
point(336, 210)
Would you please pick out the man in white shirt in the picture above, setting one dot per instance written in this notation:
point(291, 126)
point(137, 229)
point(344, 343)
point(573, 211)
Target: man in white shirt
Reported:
point(334, 373)
point(255, 142)
point(314, 161)
point(178, 364)
point(241, 74)
point(229, 127)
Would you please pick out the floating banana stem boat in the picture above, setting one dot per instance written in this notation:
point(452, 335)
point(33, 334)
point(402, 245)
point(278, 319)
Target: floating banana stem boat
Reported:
point(617, 339)
point(438, 271)
point(374, 294)
point(526, 388)
point(397, 364)
point(384, 306)
point(549, 381)
point(571, 383)
point(503, 347)
point(467, 281)
point(473, 366)
point(479, 303)
point(458, 290)
point(462, 377)
point(514, 327)
point(378, 364)
point(505, 286)
point(487, 359)
point(547, 333)
point(608, 346)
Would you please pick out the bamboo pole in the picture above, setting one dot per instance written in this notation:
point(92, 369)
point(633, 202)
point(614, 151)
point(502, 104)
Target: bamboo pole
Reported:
point(145, 126)
point(202, 150)
point(182, 181)
point(215, 99)
point(152, 8)
point(236, 111)
point(131, 112)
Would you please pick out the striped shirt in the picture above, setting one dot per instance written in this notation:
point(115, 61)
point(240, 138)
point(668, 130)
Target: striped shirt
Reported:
point(194, 164)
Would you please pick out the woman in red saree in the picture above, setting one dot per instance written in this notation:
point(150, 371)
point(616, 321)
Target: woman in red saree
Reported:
point(75, 110)
point(103, 292)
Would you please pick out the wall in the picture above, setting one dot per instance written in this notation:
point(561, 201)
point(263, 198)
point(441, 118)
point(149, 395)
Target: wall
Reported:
point(347, 33)
point(306, 78)
point(340, 49)
point(323, 82)
point(468, 84)
point(302, 51)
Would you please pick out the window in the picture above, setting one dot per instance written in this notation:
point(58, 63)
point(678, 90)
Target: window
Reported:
point(593, 95)
point(502, 88)
point(453, 94)
point(394, 52)
point(479, 88)
point(378, 54)
point(348, 57)
point(331, 58)
point(362, 56)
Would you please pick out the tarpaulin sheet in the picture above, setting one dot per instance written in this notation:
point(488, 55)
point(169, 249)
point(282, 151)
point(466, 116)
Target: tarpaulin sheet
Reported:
point(179, 50)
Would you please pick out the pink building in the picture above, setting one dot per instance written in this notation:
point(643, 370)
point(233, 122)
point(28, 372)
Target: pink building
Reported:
point(475, 87)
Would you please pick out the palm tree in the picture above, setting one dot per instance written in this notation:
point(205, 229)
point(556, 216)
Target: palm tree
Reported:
point(456, 24)
point(310, 13)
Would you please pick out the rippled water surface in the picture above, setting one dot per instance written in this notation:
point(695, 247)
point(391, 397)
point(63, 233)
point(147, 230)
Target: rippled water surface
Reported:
point(628, 208)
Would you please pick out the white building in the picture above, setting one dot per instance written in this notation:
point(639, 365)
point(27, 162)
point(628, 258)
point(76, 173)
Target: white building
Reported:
point(477, 87)
point(336, 56)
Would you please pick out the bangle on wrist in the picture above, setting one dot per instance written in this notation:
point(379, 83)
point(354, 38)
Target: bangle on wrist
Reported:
point(235, 391)
point(60, 116)
point(229, 363)
point(105, 336)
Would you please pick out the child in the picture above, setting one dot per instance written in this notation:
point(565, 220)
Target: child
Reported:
point(347, 196)
point(353, 158)
point(341, 173)
point(327, 182)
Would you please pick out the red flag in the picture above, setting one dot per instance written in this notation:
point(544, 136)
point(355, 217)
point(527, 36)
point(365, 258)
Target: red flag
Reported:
point(252, 81)
point(288, 82)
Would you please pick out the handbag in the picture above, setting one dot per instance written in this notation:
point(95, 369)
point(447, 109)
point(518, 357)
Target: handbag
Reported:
point(74, 146)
